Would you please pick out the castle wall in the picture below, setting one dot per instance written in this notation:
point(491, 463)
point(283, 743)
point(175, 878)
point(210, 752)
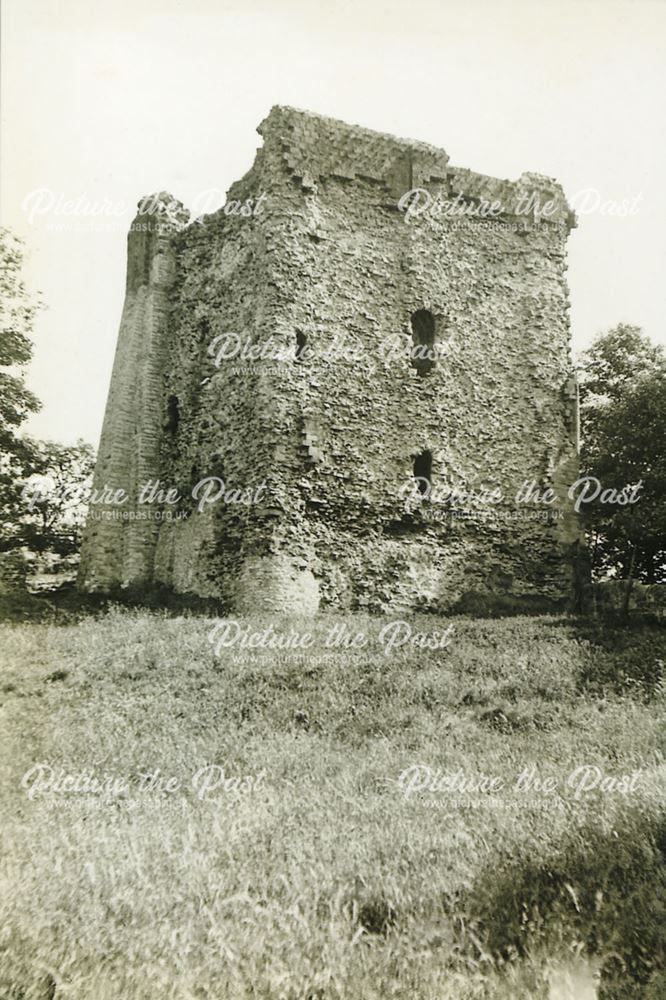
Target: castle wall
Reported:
point(118, 549)
point(332, 439)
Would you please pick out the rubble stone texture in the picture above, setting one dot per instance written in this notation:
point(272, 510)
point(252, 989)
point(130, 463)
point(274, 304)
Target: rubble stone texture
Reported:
point(335, 435)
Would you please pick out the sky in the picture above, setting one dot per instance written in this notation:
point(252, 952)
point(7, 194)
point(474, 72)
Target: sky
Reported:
point(105, 103)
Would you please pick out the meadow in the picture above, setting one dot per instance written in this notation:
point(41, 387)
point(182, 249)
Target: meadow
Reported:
point(446, 819)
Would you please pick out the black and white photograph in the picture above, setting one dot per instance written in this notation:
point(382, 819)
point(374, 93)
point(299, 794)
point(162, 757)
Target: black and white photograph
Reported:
point(333, 500)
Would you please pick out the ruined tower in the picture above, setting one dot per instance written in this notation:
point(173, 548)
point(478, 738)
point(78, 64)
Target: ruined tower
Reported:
point(360, 328)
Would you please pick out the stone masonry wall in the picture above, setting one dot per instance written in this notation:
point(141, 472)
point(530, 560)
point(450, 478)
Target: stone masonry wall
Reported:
point(332, 260)
point(117, 550)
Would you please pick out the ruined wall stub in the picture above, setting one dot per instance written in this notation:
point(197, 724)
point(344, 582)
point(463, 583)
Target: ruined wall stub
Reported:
point(332, 434)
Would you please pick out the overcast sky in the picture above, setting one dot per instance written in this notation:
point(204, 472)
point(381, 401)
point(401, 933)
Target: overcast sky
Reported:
point(116, 100)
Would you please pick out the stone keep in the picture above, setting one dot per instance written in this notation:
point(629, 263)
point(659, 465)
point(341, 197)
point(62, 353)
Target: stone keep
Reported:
point(332, 406)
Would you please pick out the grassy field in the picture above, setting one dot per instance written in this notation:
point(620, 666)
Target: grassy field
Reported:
point(330, 822)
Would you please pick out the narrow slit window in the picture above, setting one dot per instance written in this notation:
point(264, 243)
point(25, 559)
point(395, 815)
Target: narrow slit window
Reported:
point(423, 472)
point(301, 346)
point(172, 415)
point(423, 341)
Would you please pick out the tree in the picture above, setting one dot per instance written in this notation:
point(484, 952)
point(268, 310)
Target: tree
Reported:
point(615, 360)
point(42, 484)
point(53, 499)
point(623, 406)
point(17, 315)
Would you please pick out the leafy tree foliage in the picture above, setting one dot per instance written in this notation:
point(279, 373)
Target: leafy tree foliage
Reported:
point(50, 498)
point(42, 484)
point(623, 410)
point(17, 315)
